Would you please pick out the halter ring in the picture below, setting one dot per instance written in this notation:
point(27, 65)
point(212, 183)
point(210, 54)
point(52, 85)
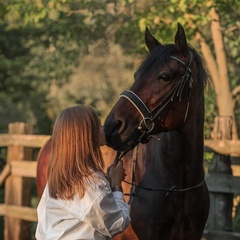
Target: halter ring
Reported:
point(144, 126)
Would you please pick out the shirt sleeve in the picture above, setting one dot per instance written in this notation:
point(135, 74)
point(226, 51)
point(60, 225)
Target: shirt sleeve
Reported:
point(110, 215)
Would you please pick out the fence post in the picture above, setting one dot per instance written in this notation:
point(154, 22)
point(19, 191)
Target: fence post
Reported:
point(17, 189)
point(220, 215)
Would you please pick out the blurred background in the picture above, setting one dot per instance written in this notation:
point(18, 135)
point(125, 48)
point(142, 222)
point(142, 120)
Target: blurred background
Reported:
point(61, 52)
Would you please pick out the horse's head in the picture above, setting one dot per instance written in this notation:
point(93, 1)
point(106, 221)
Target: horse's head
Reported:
point(168, 85)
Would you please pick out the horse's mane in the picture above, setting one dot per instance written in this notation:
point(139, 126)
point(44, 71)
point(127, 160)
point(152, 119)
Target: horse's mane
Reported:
point(161, 54)
point(202, 73)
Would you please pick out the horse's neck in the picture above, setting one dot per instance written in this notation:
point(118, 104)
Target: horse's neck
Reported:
point(175, 155)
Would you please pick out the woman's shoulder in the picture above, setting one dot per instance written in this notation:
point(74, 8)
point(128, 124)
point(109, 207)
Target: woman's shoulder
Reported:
point(99, 175)
point(98, 185)
point(99, 180)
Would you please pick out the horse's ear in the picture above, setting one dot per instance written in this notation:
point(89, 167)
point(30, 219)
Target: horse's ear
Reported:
point(151, 42)
point(181, 41)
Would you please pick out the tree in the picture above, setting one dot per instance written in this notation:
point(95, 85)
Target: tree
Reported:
point(218, 68)
point(50, 40)
point(40, 47)
point(43, 43)
point(30, 51)
point(215, 26)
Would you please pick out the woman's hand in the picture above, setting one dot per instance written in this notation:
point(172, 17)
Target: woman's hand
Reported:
point(117, 173)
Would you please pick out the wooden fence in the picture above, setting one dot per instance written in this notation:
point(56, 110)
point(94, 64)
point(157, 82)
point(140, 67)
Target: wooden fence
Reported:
point(18, 173)
point(20, 169)
point(222, 188)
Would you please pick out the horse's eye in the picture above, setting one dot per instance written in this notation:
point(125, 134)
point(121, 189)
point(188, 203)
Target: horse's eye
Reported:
point(164, 77)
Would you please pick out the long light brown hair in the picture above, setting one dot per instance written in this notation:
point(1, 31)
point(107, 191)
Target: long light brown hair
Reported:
point(75, 151)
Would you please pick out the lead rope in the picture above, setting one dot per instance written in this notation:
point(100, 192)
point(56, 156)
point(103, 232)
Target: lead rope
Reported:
point(133, 185)
point(133, 181)
point(168, 190)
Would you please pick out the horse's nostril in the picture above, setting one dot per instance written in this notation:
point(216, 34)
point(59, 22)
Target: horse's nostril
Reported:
point(114, 129)
point(121, 125)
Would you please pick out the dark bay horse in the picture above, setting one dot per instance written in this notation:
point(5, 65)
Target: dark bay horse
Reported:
point(162, 117)
point(156, 128)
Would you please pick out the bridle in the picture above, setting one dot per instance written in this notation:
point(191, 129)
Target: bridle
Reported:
point(167, 191)
point(146, 125)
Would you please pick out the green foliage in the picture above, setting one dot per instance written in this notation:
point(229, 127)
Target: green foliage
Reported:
point(42, 42)
point(98, 81)
point(163, 16)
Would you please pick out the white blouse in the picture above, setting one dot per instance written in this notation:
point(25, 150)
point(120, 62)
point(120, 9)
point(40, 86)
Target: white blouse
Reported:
point(100, 214)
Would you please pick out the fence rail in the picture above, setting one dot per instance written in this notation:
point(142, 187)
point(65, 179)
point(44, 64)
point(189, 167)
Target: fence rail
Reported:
point(222, 183)
point(217, 235)
point(24, 140)
point(26, 168)
point(19, 212)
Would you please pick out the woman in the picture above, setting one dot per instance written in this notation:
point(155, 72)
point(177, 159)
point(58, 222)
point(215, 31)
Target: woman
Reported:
point(78, 201)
